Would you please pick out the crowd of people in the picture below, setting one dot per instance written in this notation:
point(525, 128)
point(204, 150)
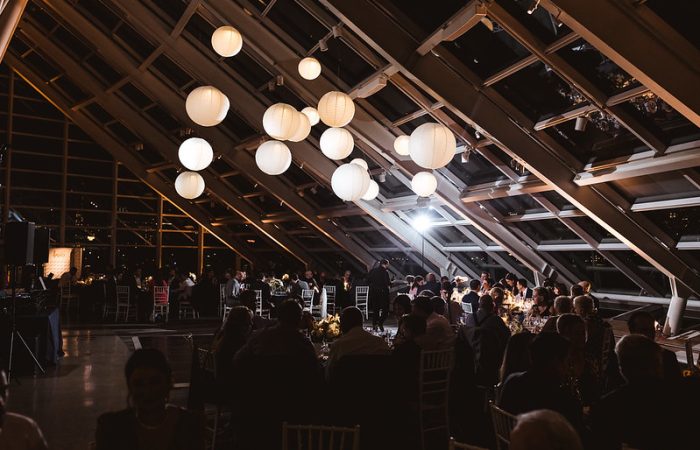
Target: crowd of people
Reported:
point(568, 382)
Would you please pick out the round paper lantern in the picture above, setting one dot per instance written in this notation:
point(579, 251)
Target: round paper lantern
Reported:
point(195, 154)
point(312, 114)
point(281, 121)
point(309, 68)
point(432, 145)
point(189, 185)
point(424, 184)
point(303, 129)
point(337, 143)
point(207, 106)
point(372, 191)
point(273, 157)
point(401, 145)
point(350, 182)
point(226, 41)
point(336, 109)
point(360, 162)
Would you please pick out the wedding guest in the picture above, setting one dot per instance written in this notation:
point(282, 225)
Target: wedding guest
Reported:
point(642, 322)
point(230, 338)
point(417, 285)
point(69, 278)
point(540, 307)
point(248, 299)
point(354, 340)
point(438, 330)
point(549, 429)
point(472, 297)
point(431, 284)
point(379, 283)
point(575, 291)
point(517, 355)
point(17, 432)
point(562, 305)
point(149, 422)
point(524, 292)
point(402, 305)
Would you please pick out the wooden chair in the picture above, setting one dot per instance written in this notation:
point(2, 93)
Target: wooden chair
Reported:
point(207, 363)
point(123, 303)
point(185, 308)
point(454, 445)
point(67, 298)
point(161, 302)
point(319, 437)
point(307, 296)
point(503, 423)
point(362, 299)
point(330, 298)
point(433, 389)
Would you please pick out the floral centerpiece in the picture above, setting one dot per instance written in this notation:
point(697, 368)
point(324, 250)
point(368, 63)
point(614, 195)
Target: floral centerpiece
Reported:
point(326, 329)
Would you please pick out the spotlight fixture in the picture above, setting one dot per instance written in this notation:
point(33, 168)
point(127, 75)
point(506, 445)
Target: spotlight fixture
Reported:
point(477, 134)
point(422, 223)
point(533, 6)
point(422, 202)
point(337, 31)
point(581, 123)
point(381, 177)
point(314, 190)
point(466, 154)
point(279, 80)
point(322, 45)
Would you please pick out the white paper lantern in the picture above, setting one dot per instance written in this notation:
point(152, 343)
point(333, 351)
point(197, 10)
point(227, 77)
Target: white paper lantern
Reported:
point(226, 41)
point(350, 182)
point(360, 162)
point(195, 154)
point(337, 143)
point(273, 157)
point(432, 145)
point(424, 184)
point(312, 114)
point(303, 129)
point(280, 121)
point(207, 106)
point(309, 68)
point(372, 191)
point(401, 145)
point(189, 185)
point(336, 109)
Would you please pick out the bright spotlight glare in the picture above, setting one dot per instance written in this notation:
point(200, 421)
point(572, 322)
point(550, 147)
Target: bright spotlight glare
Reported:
point(422, 223)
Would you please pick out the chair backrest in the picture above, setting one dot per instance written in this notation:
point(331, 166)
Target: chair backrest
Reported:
point(258, 302)
point(206, 359)
point(435, 369)
point(320, 437)
point(503, 423)
point(65, 290)
point(330, 292)
point(361, 293)
point(123, 294)
point(307, 295)
point(467, 307)
point(161, 294)
point(222, 292)
point(454, 445)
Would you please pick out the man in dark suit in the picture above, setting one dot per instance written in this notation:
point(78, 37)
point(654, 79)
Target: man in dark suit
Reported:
point(472, 297)
point(379, 283)
point(523, 291)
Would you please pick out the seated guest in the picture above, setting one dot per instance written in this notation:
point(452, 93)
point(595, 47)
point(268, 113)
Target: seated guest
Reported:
point(548, 429)
point(524, 292)
point(354, 339)
point(560, 289)
point(261, 283)
point(486, 317)
point(69, 278)
point(17, 432)
point(498, 296)
point(405, 356)
point(402, 305)
point(472, 297)
point(576, 290)
point(282, 339)
point(416, 286)
point(642, 322)
point(578, 374)
point(486, 286)
point(455, 313)
point(647, 412)
point(511, 280)
point(431, 284)
point(562, 305)
point(541, 386)
point(517, 355)
point(438, 330)
point(408, 284)
point(587, 286)
point(540, 299)
point(248, 299)
point(149, 422)
point(230, 338)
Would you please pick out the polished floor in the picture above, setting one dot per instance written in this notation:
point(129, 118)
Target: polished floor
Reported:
point(89, 380)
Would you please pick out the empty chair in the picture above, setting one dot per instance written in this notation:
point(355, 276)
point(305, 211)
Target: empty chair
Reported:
point(161, 303)
point(503, 423)
point(185, 308)
point(433, 388)
point(68, 298)
point(319, 437)
point(123, 304)
point(362, 300)
point(330, 298)
point(307, 295)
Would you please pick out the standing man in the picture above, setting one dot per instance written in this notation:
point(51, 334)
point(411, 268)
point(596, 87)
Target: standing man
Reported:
point(379, 283)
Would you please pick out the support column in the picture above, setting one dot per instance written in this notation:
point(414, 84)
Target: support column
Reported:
point(676, 309)
point(64, 186)
point(113, 225)
point(200, 250)
point(159, 235)
point(539, 278)
point(8, 155)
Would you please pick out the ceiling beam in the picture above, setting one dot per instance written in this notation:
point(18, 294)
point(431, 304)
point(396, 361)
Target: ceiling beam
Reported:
point(641, 43)
point(461, 22)
point(157, 138)
point(10, 16)
point(125, 156)
point(450, 81)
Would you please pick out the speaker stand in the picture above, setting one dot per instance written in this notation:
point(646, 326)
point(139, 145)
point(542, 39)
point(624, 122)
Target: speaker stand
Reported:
point(16, 333)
